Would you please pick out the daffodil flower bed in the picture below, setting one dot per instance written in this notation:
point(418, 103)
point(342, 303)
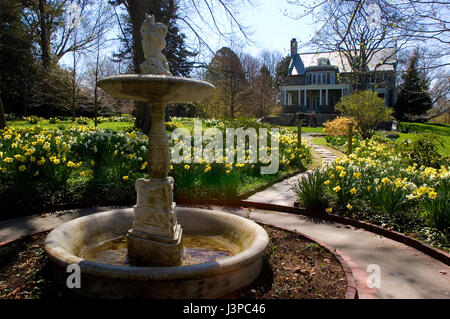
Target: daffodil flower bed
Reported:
point(378, 183)
point(41, 168)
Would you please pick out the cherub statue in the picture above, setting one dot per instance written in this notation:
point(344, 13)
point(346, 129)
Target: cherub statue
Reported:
point(153, 41)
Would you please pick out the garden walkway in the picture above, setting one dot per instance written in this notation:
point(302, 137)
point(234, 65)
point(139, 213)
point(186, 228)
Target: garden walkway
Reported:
point(405, 271)
point(281, 193)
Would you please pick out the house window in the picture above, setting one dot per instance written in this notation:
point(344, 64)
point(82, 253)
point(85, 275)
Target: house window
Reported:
point(380, 77)
point(372, 78)
point(332, 78)
point(324, 78)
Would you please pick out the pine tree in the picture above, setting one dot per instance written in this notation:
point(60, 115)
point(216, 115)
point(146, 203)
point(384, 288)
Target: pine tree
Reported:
point(414, 97)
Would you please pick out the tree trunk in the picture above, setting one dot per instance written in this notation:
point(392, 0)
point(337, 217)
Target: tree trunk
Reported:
point(74, 84)
point(45, 47)
point(2, 114)
point(137, 10)
point(96, 85)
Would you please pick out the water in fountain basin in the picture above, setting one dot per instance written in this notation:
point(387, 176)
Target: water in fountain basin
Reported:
point(196, 250)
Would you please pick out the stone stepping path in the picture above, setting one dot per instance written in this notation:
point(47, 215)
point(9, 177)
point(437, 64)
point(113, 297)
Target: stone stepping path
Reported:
point(281, 193)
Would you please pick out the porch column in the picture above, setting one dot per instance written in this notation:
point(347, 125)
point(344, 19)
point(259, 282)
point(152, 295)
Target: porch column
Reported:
point(285, 97)
point(299, 100)
point(320, 97)
point(326, 97)
point(304, 98)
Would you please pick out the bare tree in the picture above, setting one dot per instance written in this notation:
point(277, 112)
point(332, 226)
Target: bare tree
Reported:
point(358, 35)
point(50, 21)
point(270, 59)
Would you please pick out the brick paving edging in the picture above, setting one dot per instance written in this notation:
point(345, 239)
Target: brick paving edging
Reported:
point(399, 237)
point(351, 291)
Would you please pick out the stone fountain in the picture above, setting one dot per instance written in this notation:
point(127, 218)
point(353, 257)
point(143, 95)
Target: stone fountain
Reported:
point(151, 239)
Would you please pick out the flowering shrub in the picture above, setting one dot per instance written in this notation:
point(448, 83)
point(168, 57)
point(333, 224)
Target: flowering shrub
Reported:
point(339, 126)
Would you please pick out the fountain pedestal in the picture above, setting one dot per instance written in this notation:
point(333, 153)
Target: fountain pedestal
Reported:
point(155, 239)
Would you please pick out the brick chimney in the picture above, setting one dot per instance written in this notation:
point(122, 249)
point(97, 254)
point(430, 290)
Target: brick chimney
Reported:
point(294, 46)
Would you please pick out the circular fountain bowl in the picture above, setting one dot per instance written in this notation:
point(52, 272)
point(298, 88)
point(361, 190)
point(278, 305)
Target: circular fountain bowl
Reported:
point(66, 243)
point(156, 88)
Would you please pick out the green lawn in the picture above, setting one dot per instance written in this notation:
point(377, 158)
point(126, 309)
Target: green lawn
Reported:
point(442, 141)
point(437, 128)
point(306, 129)
point(118, 126)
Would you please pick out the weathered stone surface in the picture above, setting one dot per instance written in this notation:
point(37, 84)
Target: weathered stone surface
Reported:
point(156, 88)
point(147, 249)
point(155, 239)
point(153, 41)
point(155, 210)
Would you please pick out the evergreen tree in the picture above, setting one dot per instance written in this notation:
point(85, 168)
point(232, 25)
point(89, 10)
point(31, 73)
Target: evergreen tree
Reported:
point(281, 72)
point(178, 56)
point(226, 73)
point(17, 64)
point(414, 97)
point(265, 93)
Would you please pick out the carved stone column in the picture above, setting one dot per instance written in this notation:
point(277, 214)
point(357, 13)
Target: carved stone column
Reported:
point(155, 239)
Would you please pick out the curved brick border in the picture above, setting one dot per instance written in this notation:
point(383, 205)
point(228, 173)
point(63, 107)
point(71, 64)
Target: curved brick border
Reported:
point(351, 291)
point(411, 242)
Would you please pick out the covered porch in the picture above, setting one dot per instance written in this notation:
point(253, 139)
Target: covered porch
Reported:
point(308, 98)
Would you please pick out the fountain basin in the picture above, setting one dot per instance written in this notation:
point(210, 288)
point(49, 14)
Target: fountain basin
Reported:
point(66, 243)
point(156, 88)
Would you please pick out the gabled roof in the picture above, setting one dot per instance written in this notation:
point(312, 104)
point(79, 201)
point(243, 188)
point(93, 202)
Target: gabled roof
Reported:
point(338, 59)
point(296, 66)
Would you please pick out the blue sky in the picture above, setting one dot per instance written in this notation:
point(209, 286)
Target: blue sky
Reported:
point(272, 28)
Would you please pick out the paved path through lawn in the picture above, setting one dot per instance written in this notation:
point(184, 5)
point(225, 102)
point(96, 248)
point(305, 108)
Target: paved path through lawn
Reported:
point(281, 193)
point(405, 272)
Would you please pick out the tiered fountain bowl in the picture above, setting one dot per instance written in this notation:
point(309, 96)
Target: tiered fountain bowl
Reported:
point(70, 242)
point(220, 252)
